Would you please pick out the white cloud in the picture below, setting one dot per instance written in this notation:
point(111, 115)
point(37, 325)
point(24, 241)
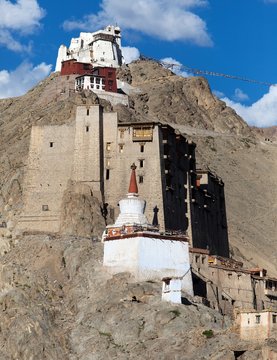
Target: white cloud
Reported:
point(262, 113)
point(130, 54)
point(167, 20)
point(175, 66)
point(23, 78)
point(218, 94)
point(20, 17)
point(7, 40)
point(240, 95)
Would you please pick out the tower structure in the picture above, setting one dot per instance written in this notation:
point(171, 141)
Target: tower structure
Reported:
point(100, 48)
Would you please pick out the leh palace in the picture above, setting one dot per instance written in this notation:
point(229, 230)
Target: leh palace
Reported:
point(165, 218)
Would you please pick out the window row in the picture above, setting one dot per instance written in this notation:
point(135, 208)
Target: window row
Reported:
point(122, 146)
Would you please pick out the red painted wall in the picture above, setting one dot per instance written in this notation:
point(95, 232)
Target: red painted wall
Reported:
point(109, 74)
point(72, 66)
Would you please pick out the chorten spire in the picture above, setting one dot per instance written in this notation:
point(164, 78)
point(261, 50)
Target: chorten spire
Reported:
point(133, 187)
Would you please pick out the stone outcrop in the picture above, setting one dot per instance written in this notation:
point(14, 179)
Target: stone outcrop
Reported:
point(81, 212)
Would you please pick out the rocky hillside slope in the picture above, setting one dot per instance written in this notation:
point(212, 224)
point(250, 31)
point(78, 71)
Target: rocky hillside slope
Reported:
point(57, 302)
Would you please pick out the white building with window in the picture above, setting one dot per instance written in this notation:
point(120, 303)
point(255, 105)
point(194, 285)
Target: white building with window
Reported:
point(100, 48)
point(89, 82)
point(257, 325)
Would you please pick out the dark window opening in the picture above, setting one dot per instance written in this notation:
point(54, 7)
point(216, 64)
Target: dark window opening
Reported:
point(140, 179)
point(51, 144)
point(112, 213)
point(258, 319)
point(141, 148)
point(87, 128)
point(107, 174)
point(87, 112)
point(45, 208)
point(141, 163)
point(274, 319)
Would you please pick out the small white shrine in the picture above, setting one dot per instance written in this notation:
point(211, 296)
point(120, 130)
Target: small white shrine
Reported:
point(135, 246)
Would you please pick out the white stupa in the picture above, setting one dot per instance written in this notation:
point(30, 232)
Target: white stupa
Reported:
point(132, 208)
point(133, 245)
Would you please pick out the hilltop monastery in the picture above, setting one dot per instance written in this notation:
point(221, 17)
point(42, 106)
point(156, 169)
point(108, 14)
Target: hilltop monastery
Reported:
point(179, 236)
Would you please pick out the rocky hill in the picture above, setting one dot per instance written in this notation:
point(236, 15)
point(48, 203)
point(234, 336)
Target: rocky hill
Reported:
point(57, 301)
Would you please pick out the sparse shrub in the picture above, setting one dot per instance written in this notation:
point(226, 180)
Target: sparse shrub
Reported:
point(105, 334)
point(208, 333)
point(176, 312)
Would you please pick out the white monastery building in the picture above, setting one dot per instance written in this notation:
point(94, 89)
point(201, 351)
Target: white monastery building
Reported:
point(132, 245)
point(101, 48)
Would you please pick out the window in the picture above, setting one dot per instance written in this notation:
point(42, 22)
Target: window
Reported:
point(140, 179)
point(107, 174)
point(87, 112)
point(142, 148)
point(112, 213)
point(258, 319)
point(141, 163)
point(248, 321)
point(142, 133)
point(87, 128)
point(121, 134)
point(121, 147)
point(51, 144)
point(108, 146)
point(45, 208)
point(274, 318)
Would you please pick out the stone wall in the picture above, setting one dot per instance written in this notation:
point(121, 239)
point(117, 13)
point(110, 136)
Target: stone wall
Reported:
point(120, 152)
point(227, 289)
point(58, 154)
point(149, 258)
point(257, 326)
point(209, 221)
point(48, 170)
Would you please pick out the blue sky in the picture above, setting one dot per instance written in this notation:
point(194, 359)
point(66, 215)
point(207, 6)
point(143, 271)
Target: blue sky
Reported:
point(235, 37)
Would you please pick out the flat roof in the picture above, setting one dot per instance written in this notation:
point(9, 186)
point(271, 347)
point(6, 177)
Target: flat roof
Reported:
point(150, 235)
